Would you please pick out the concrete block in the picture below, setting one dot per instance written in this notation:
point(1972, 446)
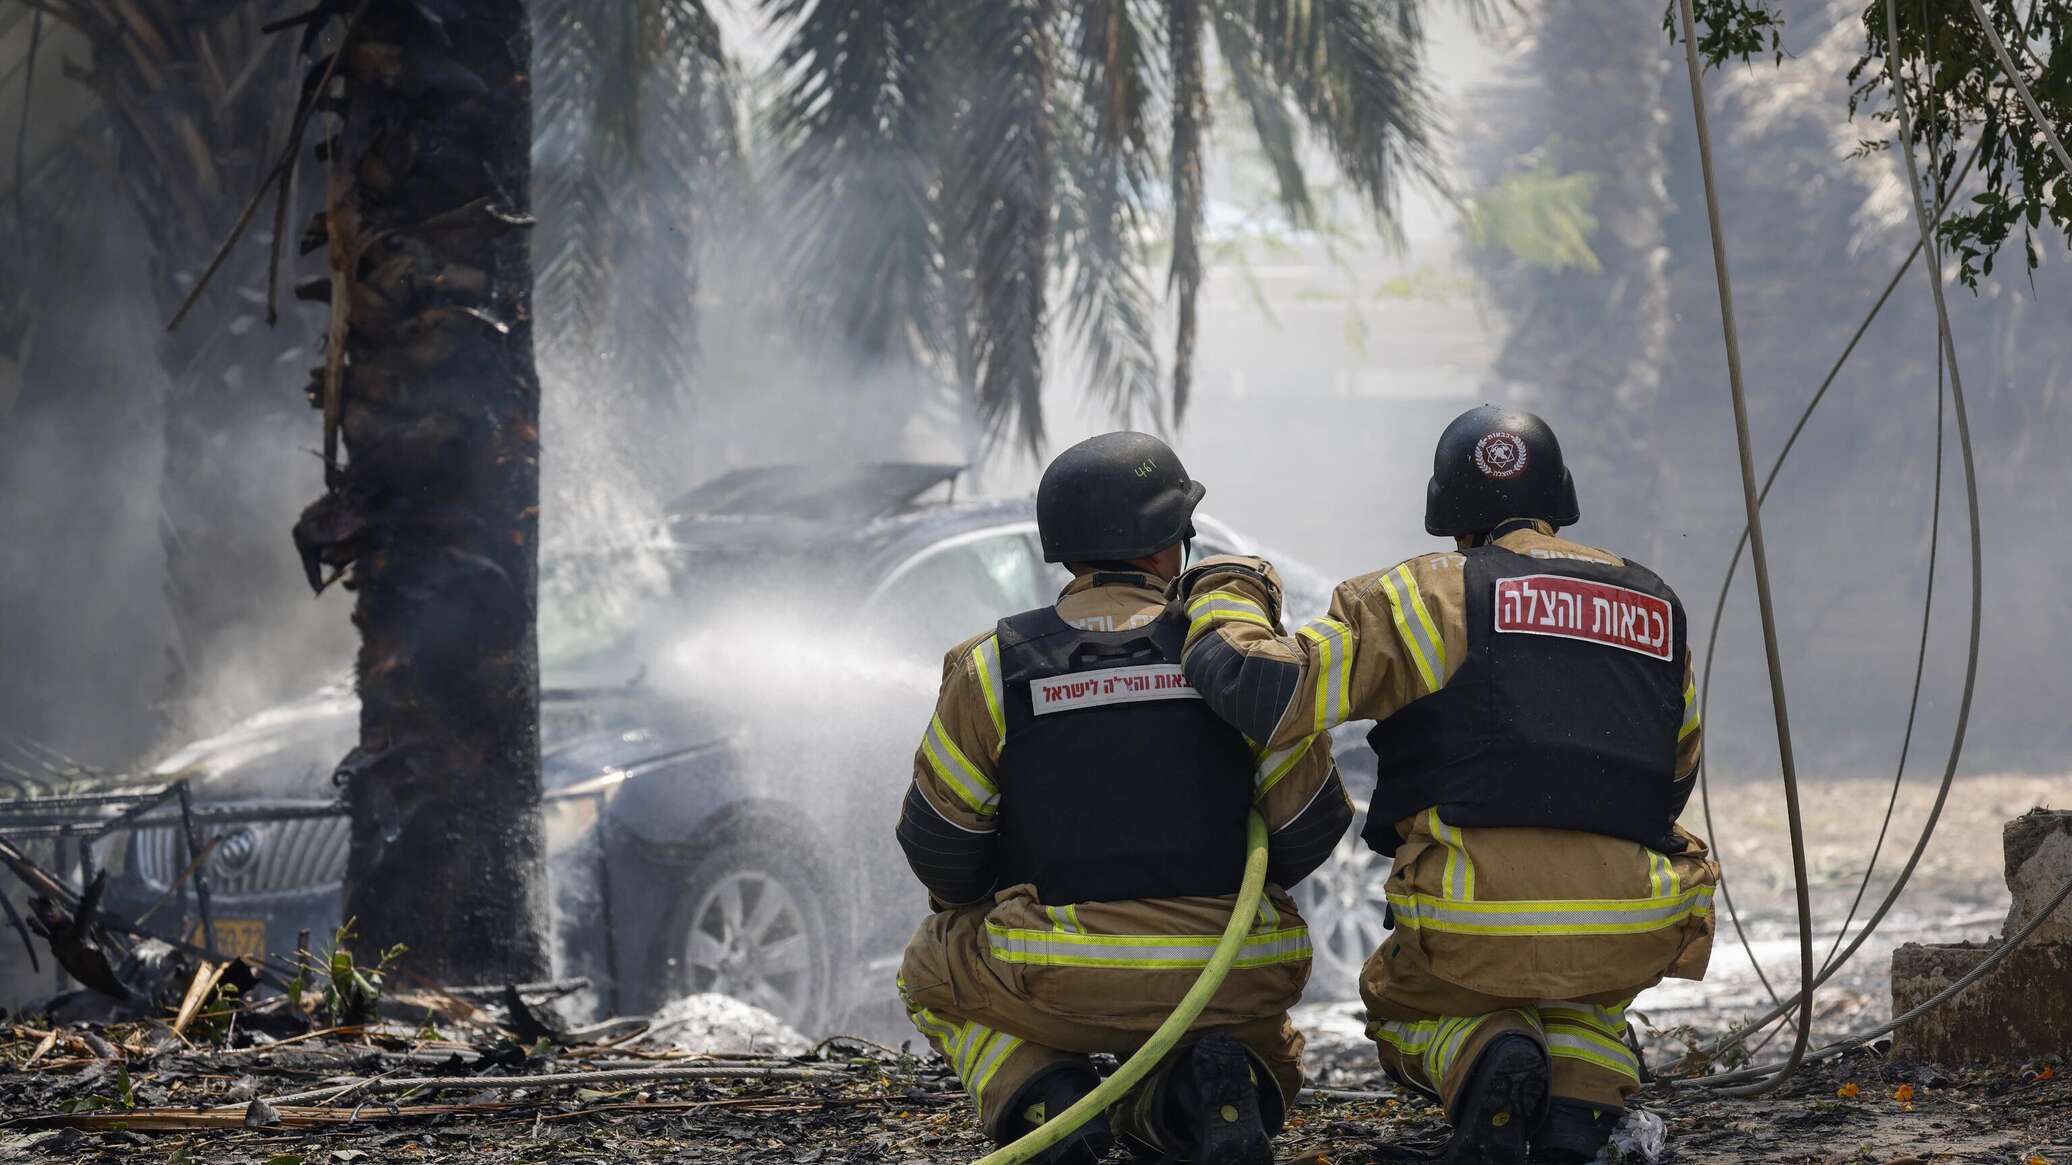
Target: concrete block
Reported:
point(2038, 849)
point(2022, 1009)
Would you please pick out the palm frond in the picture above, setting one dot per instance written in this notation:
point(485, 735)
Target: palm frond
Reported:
point(854, 171)
point(572, 42)
point(633, 132)
point(682, 145)
point(1354, 70)
point(1190, 109)
point(1105, 161)
point(1009, 162)
point(1273, 121)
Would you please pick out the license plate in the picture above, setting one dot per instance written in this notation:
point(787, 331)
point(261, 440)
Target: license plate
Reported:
point(243, 937)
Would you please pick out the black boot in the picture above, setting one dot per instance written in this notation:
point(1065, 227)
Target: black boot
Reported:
point(1574, 1132)
point(1043, 1098)
point(1213, 1105)
point(1502, 1104)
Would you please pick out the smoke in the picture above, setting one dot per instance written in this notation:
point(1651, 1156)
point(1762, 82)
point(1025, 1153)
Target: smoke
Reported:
point(1327, 364)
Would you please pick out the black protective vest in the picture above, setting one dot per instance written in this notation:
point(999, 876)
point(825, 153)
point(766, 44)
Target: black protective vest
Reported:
point(1563, 715)
point(1116, 781)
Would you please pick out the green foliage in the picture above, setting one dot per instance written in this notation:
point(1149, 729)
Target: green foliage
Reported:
point(1957, 93)
point(122, 1099)
point(350, 994)
point(943, 165)
point(1540, 217)
point(1959, 98)
point(1736, 29)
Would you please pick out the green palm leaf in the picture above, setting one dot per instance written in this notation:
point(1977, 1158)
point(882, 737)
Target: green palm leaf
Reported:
point(855, 173)
point(1005, 216)
point(1105, 161)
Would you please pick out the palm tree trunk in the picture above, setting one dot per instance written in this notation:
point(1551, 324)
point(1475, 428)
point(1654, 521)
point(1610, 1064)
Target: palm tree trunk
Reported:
point(1593, 346)
point(196, 102)
point(434, 511)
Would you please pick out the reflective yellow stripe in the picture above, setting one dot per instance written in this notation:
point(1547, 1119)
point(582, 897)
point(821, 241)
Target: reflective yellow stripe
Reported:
point(1278, 765)
point(1436, 1043)
point(924, 1019)
point(1223, 607)
point(1268, 918)
point(990, 1054)
point(1662, 880)
point(1143, 951)
point(1584, 1015)
point(988, 657)
point(948, 761)
point(1416, 627)
point(1459, 883)
point(1576, 1042)
point(1409, 1038)
point(1334, 672)
point(934, 1025)
point(1690, 720)
point(1526, 918)
point(1065, 919)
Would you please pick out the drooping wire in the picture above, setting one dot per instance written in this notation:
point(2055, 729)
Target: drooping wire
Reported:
point(2021, 86)
point(1758, 554)
point(1906, 739)
point(1783, 1007)
point(1934, 272)
point(1985, 966)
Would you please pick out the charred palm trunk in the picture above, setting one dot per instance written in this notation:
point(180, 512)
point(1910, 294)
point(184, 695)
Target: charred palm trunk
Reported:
point(433, 511)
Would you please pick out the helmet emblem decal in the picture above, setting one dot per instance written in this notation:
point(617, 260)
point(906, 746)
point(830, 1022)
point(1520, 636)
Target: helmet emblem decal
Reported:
point(1500, 455)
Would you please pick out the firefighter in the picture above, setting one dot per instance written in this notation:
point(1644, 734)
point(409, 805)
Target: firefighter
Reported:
point(1078, 817)
point(1537, 733)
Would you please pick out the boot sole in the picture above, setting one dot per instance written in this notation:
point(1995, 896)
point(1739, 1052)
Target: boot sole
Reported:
point(1505, 1100)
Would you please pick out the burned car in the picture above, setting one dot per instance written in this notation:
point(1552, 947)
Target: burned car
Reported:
point(723, 762)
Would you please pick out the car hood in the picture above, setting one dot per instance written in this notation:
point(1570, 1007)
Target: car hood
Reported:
point(288, 752)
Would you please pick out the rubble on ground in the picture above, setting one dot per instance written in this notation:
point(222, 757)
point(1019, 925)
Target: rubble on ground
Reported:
point(453, 1089)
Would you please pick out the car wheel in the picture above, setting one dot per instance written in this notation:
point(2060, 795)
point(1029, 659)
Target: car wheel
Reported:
point(752, 922)
point(1343, 904)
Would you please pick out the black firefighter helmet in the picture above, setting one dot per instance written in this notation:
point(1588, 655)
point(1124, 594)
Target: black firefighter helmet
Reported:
point(1494, 463)
point(1113, 498)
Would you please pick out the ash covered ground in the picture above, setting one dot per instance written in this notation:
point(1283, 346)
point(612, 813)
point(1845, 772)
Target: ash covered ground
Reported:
point(135, 1093)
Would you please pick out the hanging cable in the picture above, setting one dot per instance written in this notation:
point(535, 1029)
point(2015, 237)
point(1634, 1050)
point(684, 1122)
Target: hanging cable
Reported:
point(1782, 1008)
point(1926, 229)
point(1758, 553)
point(1984, 968)
point(1906, 738)
point(2014, 77)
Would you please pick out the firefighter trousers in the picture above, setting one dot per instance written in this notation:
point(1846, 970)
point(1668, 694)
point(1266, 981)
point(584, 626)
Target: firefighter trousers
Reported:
point(1432, 1051)
point(999, 1030)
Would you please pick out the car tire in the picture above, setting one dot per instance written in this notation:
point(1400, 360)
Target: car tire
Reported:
point(754, 921)
point(1343, 904)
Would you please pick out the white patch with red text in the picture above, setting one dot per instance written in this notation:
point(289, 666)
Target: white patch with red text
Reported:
point(1115, 685)
point(1594, 612)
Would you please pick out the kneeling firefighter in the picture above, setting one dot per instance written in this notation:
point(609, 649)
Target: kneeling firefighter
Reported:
point(1078, 816)
point(1537, 730)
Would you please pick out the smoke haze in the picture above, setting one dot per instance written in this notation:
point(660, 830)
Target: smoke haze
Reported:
point(1327, 365)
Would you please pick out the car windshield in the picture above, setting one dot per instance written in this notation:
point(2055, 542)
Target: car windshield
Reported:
point(610, 620)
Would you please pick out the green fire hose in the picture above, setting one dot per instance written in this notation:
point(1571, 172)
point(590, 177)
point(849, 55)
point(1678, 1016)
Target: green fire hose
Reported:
point(1168, 1034)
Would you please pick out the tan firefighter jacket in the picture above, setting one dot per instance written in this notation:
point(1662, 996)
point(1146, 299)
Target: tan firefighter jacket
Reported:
point(952, 808)
point(1614, 915)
